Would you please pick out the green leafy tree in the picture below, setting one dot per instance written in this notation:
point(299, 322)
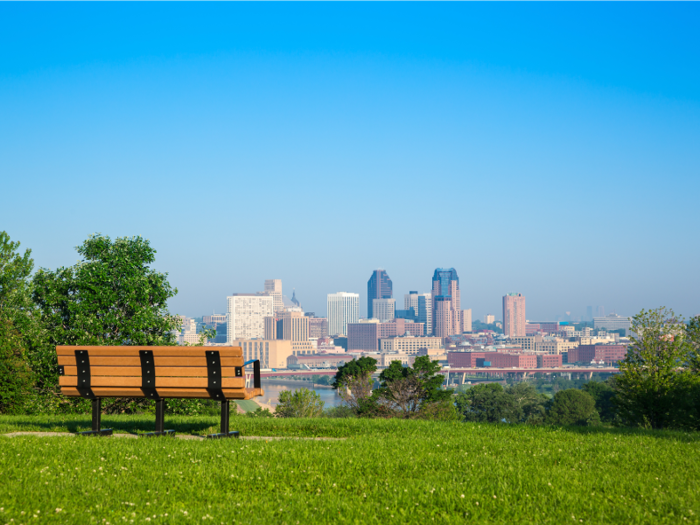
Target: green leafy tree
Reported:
point(299, 403)
point(572, 407)
point(364, 366)
point(656, 376)
point(528, 405)
point(603, 393)
point(17, 326)
point(491, 403)
point(353, 380)
point(486, 403)
point(321, 380)
point(415, 391)
point(111, 297)
point(693, 367)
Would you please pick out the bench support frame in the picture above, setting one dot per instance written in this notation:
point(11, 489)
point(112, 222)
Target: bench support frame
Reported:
point(225, 413)
point(97, 421)
point(160, 422)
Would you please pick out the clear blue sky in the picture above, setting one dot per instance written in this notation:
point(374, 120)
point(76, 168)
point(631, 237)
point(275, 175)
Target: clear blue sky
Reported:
point(551, 149)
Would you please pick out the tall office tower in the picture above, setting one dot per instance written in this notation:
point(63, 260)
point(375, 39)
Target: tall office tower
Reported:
point(467, 320)
point(425, 312)
point(447, 310)
point(489, 319)
point(384, 309)
point(514, 315)
point(378, 287)
point(246, 315)
point(410, 300)
point(274, 288)
point(422, 304)
point(343, 308)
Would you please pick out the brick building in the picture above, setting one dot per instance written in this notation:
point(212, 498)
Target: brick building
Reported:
point(542, 327)
point(496, 360)
point(514, 315)
point(318, 327)
point(609, 354)
point(366, 335)
point(549, 360)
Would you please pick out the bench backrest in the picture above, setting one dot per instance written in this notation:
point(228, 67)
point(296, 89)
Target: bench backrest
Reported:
point(155, 372)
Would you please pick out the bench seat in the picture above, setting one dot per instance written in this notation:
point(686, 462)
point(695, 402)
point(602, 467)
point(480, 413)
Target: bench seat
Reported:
point(157, 372)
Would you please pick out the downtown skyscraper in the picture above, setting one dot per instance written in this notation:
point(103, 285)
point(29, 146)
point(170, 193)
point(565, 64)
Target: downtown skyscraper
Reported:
point(514, 315)
point(343, 308)
point(422, 305)
point(379, 286)
point(447, 310)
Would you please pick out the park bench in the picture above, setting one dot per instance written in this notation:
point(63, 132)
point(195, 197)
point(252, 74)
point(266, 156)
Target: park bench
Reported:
point(157, 373)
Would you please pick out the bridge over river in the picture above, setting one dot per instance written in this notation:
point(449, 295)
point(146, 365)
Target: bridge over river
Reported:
point(461, 373)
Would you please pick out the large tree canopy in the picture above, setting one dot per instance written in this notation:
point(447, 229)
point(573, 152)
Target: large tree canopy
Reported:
point(656, 376)
point(573, 407)
point(112, 297)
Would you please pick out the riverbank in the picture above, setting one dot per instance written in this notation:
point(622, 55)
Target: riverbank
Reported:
point(298, 383)
point(274, 388)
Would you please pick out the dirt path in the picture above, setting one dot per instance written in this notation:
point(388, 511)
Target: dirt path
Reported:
point(176, 436)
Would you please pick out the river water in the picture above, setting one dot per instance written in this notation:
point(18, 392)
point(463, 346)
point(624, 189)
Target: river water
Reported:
point(273, 388)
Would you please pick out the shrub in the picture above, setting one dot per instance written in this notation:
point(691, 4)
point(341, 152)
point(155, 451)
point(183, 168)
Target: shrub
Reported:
point(572, 407)
point(486, 403)
point(260, 412)
point(299, 403)
point(340, 411)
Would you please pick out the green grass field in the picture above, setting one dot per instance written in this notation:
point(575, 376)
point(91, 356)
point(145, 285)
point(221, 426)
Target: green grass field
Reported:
point(384, 472)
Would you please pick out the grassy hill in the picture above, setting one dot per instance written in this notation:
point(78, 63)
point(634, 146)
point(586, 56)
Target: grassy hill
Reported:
point(382, 472)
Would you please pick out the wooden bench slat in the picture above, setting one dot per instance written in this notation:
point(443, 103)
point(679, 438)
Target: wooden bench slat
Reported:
point(161, 382)
point(161, 371)
point(158, 351)
point(69, 360)
point(200, 393)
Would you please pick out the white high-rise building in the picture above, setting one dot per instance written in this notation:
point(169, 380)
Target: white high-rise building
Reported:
point(613, 322)
point(343, 308)
point(246, 315)
point(274, 288)
point(384, 309)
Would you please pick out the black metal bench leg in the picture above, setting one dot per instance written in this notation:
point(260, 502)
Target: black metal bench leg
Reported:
point(96, 414)
point(160, 421)
point(225, 415)
point(97, 429)
point(160, 415)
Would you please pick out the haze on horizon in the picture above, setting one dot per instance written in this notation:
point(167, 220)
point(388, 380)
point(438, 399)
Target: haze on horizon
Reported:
point(546, 149)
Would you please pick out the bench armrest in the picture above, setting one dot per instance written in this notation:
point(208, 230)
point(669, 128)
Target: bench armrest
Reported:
point(256, 372)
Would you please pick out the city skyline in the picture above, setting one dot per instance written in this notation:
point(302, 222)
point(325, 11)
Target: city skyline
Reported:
point(582, 133)
point(273, 287)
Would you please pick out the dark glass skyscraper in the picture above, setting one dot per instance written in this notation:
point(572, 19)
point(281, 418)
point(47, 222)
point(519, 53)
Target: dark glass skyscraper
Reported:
point(378, 287)
point(447, 313)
